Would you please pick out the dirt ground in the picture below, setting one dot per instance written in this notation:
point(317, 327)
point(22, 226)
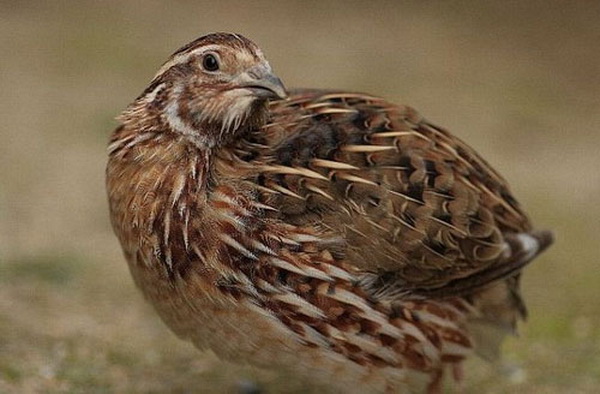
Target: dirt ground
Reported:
point(518, 80)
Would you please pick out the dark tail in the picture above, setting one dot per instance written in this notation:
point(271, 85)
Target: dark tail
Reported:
point(521, 249)
point(500, 305)
point(524, 247)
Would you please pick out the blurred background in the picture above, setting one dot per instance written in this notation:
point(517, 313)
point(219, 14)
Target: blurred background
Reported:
point(520, 81)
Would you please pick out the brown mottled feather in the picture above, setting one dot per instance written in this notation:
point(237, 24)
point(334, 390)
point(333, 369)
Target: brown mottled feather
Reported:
point(331, 233)
point(406, 195)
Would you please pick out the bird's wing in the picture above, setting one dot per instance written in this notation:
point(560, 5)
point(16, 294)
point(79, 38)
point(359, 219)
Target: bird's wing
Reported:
point(407, 197)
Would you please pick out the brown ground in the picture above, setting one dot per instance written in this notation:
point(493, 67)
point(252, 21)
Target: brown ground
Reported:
point(519, 80)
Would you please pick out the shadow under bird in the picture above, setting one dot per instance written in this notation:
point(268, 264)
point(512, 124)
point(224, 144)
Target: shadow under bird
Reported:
point(333, 234)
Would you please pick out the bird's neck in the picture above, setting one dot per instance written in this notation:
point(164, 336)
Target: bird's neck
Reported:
point(164, 134)
point(205, 121)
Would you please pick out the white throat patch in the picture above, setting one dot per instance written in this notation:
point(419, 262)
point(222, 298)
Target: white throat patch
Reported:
point(236, 113)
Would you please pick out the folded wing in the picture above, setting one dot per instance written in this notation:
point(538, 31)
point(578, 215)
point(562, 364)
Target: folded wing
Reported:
point(407, 199)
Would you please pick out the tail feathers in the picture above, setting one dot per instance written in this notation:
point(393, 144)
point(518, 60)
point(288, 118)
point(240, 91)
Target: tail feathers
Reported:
point(500, 304)
point(523, 247)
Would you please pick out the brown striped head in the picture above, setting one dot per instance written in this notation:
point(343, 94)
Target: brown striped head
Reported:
point(210, 89)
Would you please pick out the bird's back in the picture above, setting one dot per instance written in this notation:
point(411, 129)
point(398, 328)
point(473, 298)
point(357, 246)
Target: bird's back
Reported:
point(405, 196)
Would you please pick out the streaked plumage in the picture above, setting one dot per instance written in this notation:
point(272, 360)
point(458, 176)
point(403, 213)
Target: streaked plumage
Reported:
point(332, 233)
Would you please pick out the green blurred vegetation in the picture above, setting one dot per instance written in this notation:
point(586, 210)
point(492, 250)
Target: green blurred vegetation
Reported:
point(519, 81)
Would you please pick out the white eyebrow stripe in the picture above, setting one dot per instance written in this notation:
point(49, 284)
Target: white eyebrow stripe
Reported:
point(185, 57)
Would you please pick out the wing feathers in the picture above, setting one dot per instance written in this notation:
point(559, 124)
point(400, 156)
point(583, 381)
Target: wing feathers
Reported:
point(431, 208)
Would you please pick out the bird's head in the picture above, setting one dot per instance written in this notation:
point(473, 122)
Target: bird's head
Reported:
point(212, 88)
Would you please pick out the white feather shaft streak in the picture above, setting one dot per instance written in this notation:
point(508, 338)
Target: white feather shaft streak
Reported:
point(113, 146)
point(282, 239)
point(335, 165)
point(376, 225)
point(284, 265)
point(299, 237)
point(178, 186)
point(304, 270)
point(319, 191)
point(355, 179)
point(266, 190)
point(140, 138)
point(325, 111)
point(370, 346)
point(318, 104)
point(337, 272)
point(333, 96)
point(236, 245)
point(256, 244)
point(285, 191)
point(385, 134)
point(366, 148)
point(266, 286)
point(366, 344)
point(344, 296)
point(499, 200)
point(449, 225)
point(302, 305)
point(266, 207)
point(316, 273)
point(278, 169)
point(406, 197)
point(407, 224)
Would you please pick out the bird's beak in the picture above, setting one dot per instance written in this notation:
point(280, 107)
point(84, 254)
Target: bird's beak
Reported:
point(262, 82)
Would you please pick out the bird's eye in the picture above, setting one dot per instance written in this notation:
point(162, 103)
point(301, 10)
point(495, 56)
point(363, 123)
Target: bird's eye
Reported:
point(210, 63)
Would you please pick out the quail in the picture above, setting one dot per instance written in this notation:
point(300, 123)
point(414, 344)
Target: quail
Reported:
point(333, 234)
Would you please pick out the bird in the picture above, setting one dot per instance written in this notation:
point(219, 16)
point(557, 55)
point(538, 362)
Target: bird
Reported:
point(329, 233)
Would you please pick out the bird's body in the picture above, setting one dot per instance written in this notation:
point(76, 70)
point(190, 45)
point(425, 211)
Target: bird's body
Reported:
point(333, 233)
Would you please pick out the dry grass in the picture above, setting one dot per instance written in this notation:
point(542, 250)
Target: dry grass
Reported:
point(518, 80)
